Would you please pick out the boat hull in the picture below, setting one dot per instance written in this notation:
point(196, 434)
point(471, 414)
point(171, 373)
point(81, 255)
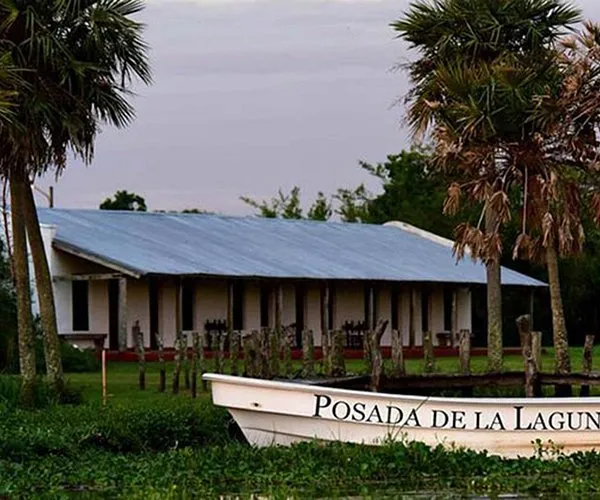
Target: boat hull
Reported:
point(282, 413)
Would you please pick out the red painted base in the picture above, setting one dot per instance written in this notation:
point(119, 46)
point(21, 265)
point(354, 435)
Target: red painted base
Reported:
point(409, 353)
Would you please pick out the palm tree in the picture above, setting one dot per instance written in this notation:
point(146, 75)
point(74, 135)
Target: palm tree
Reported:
point(78, 59)
point(560, 168)
point(480, 64)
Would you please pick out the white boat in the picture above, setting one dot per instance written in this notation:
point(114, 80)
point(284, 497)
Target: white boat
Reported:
point(282, 413)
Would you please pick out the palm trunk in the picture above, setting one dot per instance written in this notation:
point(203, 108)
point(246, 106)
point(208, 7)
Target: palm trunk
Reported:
point(494, 304)
point(559, 329)
point(21, 277)
point(45, 292)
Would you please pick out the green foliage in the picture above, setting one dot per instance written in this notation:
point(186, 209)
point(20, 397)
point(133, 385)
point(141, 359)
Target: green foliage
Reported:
point(44, 396)
point(124, 200)
point(412, 193)
point(74, 359)
point(320, 209)
point(8, 316)
point(123, 428)
point(353, 204)
point(306, 470)
point(285, 206)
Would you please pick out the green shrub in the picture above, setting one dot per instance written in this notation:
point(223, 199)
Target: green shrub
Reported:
point(64, 430)
point(77, 360)
point(175, 423)
point(44, 396)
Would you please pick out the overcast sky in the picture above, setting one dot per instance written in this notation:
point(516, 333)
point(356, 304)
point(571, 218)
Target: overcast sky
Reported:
point(253, 95)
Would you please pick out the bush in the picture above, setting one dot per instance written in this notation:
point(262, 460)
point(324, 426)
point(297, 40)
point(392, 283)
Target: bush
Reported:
point(63, 430)
point(176, 423)
point(44, 396)
point(77, 360)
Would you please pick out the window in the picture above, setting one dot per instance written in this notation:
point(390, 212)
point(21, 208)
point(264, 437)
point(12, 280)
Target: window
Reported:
point(238, 306)
point(265, 300)
point(425, 310)
point(448, 299)
point(81, 316)
point(187, 305)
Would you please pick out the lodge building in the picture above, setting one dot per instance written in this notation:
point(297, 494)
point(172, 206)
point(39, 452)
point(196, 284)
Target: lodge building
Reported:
point(196, 272)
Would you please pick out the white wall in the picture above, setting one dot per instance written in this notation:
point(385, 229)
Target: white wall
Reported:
point(211, 303)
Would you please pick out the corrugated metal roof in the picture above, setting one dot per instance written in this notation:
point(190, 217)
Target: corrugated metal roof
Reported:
point(214, 245)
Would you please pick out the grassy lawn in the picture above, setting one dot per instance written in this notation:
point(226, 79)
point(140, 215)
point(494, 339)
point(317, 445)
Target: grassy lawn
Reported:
point(122, 377)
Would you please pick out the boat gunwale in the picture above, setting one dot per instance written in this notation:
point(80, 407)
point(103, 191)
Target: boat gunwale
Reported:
point(299, 387)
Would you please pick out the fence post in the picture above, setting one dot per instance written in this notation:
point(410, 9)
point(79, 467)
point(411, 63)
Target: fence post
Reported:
point(464, 351)
point(195, 343)
point(588, 349)
point(428, 353)
point(337, 362)
point(308, 354)
point(186, 361)
point(234, 350)
point(367, 351)
point(288, 335)
point(531, 375)
point(536, 350)
point(376, 358)
point(138, 338)
point(398, 368)
point(177, 366)
point(162, 385)
point(326, 356)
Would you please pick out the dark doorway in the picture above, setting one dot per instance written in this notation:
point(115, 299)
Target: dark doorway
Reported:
point(81, 312)
point(265, 309)
point(153, 292)
point(113, 315)
point(238, 305)
point(300, 300)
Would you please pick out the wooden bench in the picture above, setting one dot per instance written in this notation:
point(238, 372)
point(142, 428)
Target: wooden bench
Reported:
point(97, 338)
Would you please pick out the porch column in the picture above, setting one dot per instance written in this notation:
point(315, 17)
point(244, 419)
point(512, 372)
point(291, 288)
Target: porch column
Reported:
point(278, 308)
point(178, 309)
point(411, 316)
point(371, 319)
point(229, 308)
point(123, 314)
point(325, 298)
point(454, 317)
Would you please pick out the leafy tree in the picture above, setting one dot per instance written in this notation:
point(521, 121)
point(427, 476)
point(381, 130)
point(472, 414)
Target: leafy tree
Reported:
point(288, 206)
point(320, 209)
point(481, 66)
point(124, 200)
point(353, 204)
point(8, 315)
point(76, 60)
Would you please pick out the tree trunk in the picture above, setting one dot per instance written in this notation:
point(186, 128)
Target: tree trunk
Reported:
point(21, 276)
point(494, 304)
point(43, 280)
point(559, 329)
